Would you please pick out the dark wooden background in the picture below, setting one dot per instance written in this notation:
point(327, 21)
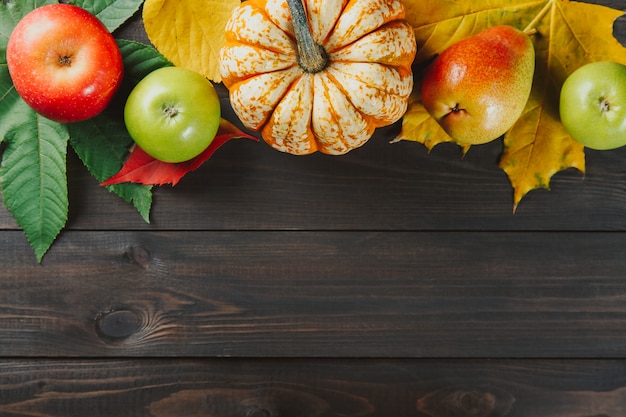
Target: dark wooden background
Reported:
point(389, 282)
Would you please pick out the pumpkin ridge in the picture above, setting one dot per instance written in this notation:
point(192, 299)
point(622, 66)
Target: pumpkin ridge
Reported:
point(392, 96)
point(255, 106)
point(283, 129)
point(259, 45)
point(391, 29)
point(330, 32)
point(347, 31)
point(339, 47)
point(247, 77)
point(339, 137)
point(341, 88)
point(349, 139)
point(288, 89)
point(241, 61)
point(251, 8)
point(382, 89)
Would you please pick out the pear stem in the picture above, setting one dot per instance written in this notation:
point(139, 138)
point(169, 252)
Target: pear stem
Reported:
point(530, 28)
point(312, 57)
point(531, 32)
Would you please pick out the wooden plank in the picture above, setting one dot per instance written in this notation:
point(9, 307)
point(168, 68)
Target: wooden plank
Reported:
point(381, 187)
point(358, 294)
point(312, 388)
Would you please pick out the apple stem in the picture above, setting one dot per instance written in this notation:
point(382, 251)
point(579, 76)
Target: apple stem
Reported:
point(65, 60)
point(170, 112)
point(605, 106)
point(312, 57)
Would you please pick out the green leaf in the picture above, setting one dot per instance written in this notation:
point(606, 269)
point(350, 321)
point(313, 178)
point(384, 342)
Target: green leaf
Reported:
point(33, 178)
point(33, 173)
point(112, 13)
point(139, 60)
point(138, 195)
point(103, 143)
point(13, 110)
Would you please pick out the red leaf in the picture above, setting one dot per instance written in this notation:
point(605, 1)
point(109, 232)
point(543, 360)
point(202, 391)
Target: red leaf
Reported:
point(143, 169)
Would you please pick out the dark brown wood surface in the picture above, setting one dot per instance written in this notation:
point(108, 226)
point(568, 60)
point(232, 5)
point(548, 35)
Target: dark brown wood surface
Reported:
point(313, 388)
point(389, 282)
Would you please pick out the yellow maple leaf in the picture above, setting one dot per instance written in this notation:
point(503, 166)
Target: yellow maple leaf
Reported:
point(569, 35)
point(189, 33)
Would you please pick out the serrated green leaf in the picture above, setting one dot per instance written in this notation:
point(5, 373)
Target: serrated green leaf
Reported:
point(139, 60)
point(103, 143)
point(36, 198)
point(33, 178)
point(13, 110)
point(139, 196)
point(112, 13)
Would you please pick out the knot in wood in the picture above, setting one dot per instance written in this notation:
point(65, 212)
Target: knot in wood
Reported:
point(117, 325)
point(480, 404)
point(466, 402)
point(139, 256)
point(259, 412)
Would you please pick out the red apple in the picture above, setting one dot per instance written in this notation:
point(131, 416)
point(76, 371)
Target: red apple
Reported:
point(64, 62)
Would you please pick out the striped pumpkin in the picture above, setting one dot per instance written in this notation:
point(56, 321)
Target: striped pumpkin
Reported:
point(318, 75)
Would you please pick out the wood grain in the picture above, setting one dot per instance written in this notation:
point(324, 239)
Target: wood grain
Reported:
point(313, 388)
point(291, 293)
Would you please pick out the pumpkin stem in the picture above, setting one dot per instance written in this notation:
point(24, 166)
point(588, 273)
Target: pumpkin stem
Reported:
point(312, 57)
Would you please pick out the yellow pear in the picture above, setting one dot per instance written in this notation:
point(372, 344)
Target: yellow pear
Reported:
point(477, 88)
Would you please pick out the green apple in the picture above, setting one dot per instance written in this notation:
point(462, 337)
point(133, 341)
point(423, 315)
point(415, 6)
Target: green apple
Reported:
point(173, 114)
point(593, 105)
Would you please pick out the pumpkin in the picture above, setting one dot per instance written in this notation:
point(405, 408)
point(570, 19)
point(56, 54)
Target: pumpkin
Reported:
point(318, 75)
